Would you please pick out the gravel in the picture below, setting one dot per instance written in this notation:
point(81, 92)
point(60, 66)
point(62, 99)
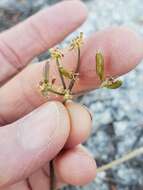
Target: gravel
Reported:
point(117, 115)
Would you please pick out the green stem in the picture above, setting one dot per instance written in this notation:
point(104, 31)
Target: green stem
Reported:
point(46, 72)
point(71, 85)
point(52, 173)
point(61, 76)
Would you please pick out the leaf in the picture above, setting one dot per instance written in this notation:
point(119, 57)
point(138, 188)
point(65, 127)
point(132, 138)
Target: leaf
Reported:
point(100, 66)
point(114, 85)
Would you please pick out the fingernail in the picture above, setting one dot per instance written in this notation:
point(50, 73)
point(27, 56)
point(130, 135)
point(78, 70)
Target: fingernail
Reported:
point(90, 114)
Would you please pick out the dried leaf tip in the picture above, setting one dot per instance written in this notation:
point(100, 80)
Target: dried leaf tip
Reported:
point(100, 66)
point(77, 42)
point(56, 54)
point(111, 83)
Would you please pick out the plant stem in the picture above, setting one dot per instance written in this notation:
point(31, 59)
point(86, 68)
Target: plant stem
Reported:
point(52, 175)
point(61, 76)
point(76, 71)
point(28, 184)
point(56, 92)
point(121, 160)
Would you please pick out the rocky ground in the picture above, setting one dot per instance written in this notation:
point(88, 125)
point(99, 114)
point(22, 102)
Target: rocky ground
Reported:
point(117, 115)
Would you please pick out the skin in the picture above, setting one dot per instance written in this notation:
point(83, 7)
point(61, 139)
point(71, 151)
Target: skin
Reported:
point(34, 131)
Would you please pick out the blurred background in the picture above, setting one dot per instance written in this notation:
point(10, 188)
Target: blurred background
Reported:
point(117, 115)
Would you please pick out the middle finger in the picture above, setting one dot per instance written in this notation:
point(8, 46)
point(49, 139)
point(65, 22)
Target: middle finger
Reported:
point(122, 50)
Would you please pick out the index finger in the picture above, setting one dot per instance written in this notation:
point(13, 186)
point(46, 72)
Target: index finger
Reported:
point(35, 35)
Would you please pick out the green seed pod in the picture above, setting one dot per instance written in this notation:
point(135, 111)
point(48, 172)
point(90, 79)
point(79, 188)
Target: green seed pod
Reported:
point(46, 72)
point(113, 85)
point(100, 66)
point(66, 73)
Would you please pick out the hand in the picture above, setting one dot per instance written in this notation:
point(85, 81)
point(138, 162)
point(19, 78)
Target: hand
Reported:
point(32, 131)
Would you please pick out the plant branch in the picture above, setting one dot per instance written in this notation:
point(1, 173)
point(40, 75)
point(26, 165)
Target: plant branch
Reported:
point(76, 71)
point(56, 92)
point(61, 76)
point(52, 172)
point(121, 160)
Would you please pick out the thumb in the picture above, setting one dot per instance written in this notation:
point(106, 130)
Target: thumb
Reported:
point(30, 142)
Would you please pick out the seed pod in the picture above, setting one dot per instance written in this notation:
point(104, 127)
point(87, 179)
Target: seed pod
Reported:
point(46, 72)
point(100, 66)
point(67, 74)
point(112, 85)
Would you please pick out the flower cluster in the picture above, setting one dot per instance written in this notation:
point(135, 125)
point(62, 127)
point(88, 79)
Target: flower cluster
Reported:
point(44, 88)
point(77, 42)
point(56, 54)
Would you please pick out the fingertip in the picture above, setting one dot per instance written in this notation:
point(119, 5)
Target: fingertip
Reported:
point(121, 47)
point(80, 120)
point(36, 138)
point(39, 30)
point(126, 49)
point(49, 124)
point(75, 11)
point(79, 7)
point(75, 167)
